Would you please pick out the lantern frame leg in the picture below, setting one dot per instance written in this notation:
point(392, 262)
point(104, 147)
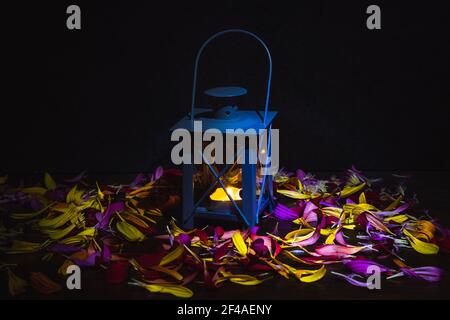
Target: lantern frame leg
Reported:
point(249, 188)
point(188, 196)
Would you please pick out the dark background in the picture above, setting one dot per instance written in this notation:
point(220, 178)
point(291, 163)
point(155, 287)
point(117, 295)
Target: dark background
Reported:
point(103, 98)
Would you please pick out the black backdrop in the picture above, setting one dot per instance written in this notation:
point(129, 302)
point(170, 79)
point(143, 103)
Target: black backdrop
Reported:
point(103, 98)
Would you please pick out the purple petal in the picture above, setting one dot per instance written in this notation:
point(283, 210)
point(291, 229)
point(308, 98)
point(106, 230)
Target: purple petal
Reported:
point(400, 209)
point(139, 178)
point(106, 253)
point(284, 213)
point(89, 261)
point(64, 248)
point(157, 174)
point(362, 266)
point(351, 280)
point(76, 178)
point(183, 238)
point(431, 274)
point(328, 204)
point(35, 204)
point(254, 230)
point(104, 220)
point(300, 174)
point(259, 247)
point(56, 195)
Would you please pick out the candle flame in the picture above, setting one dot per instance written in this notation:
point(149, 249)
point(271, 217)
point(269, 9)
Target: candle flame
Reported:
point(220, 195)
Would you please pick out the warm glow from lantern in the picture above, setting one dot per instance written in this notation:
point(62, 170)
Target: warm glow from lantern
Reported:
point(220, 195)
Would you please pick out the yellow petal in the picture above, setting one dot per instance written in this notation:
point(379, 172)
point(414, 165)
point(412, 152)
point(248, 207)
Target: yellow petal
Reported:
point(421, 246)
point(176, 290)
point(422, 229)
point(23, 216)
point(348, 190)
point(399, 263)
point(50, 184)
point(332, 211)
point(296, 194)
point(63, 268)
point(88, 232)
point(302, 238)
point(75, 195)
point(300, 185)
point(59, 233)
point(176, 230)
point(81, 237)
point(100, 194)
point(130, 232)
point(70, 212)
point(34, 190)
point(242, 279)
point(281, 269)
point(297, 259)
point(43, 284)
point(311, 275)
point(330, 238)
point(326, 231)
point(154, 212)
point(394, 204)
point(3, 179)
point(239, 243)
point(400, 218)
point(299, 233)
point(16, 285)
point(19, 246)
point(246, 282)
point(172, 255)
point(170, 272)
point(362, 198)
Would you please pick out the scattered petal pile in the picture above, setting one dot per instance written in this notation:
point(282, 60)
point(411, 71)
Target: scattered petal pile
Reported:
point(351, 224)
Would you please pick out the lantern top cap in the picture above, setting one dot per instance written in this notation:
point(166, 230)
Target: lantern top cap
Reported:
point(226, 92)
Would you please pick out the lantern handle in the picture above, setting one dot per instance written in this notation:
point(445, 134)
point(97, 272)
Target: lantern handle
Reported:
point(197, 59)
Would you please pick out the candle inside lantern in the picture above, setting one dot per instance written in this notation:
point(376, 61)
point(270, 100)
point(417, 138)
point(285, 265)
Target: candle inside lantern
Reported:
point(220, 195)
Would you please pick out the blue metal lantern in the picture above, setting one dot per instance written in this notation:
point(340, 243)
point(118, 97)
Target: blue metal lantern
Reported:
point(217, 199)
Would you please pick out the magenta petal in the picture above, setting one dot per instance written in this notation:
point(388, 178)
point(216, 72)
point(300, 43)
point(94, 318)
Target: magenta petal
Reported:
point(340, 238)
point(309, 214)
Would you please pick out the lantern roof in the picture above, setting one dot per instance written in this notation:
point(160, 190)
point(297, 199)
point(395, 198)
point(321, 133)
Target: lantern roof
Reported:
point(243, 119)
